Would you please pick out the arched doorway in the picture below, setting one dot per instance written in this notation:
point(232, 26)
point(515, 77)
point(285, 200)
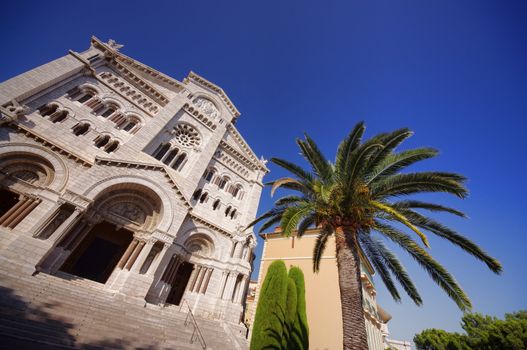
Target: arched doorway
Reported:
point(112, 232)
point(98, 254)
point(191, 275)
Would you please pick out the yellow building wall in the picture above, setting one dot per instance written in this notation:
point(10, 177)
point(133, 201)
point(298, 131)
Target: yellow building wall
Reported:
point(322, 290)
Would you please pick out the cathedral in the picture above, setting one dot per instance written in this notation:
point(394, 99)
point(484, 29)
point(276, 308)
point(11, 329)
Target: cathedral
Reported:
point(119, 183)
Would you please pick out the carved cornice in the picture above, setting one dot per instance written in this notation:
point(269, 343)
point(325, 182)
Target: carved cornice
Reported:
point(130, 62)
point(194, 112)
point(238, 156)
point(236, 135)
point(230, 163)
point(146, 166)
point(211, 86)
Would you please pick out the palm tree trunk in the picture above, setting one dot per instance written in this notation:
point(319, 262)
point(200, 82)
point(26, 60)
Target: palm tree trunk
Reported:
point(348, 262)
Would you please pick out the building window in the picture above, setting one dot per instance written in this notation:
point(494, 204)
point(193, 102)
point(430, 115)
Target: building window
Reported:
point(112, 147)
point(196, 194)
point(58, 117)
point(179, 161)
point(233, 212)
point(228, 210)
point(216, 204)
point(209, 174)
point(223, 182)
point(47, 110)
point(81, 129)
point(170, 156)
point(101, 140)
point(161, 151)
point(203, 197)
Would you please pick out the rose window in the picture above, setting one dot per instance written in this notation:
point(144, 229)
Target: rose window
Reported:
point(186, 135)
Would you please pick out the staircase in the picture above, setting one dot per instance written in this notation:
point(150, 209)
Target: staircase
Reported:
point(50, 312)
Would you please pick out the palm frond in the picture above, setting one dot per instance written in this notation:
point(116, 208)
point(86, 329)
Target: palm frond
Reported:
point(285, 181)
point(292, 216)
point(405, 184)
point(395, 162)
point(270, 222)
point(413, 204)
point(305, 224)
point(314, 156)
point(437, 272)
point(320, 246)
point(396, 267)
point(293, 168)
point(292, 199)
point(274, 211)
point(400, 218)
point(390, 142)
point(378, 262)
point(454, 237)
point(347, 146)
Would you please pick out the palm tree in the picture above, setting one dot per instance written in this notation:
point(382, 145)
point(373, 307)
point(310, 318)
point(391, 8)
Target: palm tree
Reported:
point(359, 198)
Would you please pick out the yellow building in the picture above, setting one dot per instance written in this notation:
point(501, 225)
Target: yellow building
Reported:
point(322, 289)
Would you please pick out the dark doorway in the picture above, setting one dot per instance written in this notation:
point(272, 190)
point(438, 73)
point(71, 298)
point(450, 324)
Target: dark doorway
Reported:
point(98, 254)
point(180, 283)
point(8, 200)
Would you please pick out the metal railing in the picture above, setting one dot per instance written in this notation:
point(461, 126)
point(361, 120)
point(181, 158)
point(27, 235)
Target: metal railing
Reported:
point(196, 333)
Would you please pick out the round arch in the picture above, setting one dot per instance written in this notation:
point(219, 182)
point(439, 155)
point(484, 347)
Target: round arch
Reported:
point(60, 170)
point(120, 182)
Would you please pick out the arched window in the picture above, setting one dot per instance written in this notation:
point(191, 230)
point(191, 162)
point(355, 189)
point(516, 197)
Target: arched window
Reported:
point(81, 129)
point(108, 111)
point(85, 98)
point(101, 140)
point(112, 147)
point(203, 197)
point(223, 182)
point(58, 116)
point(179, 161)
point(216, 204)
point(228, 210)
point(170, 156)
point(209, 174)
point(233, 212)
point(196, 194)
point(236, 190)
point(47, 110)
point(129, 126)
point(161, 151)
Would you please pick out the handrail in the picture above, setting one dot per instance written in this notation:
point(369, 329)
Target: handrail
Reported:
point(196, 333)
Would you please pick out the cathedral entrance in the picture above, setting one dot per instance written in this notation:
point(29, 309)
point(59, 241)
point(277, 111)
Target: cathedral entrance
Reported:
point(180, 283)
point(98, 254)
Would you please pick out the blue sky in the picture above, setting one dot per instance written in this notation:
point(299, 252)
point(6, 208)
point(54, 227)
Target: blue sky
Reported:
point(455, 72)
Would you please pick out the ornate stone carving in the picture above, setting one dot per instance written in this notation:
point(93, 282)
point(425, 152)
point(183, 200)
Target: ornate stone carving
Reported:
point(129, 211)
point(207, 107)
point(186, 135)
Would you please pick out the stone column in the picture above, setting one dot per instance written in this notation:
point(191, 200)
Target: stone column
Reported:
point(230, 285)
point(141, 258)
point(241, 291)
point(18, 212)
point(193, 277)
point(199, 280)
point(207, 280)
point(238, 250)
point(224, 276)
point(135, 253)
point(127, 253)
point(67, 224)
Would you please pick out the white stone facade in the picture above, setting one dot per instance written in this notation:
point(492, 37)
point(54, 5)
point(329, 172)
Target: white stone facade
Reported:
point(100, 154)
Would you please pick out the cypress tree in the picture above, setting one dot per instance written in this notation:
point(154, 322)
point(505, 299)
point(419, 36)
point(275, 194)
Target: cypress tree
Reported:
point(290, 312)
point(268, 327)
point(299, 335)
